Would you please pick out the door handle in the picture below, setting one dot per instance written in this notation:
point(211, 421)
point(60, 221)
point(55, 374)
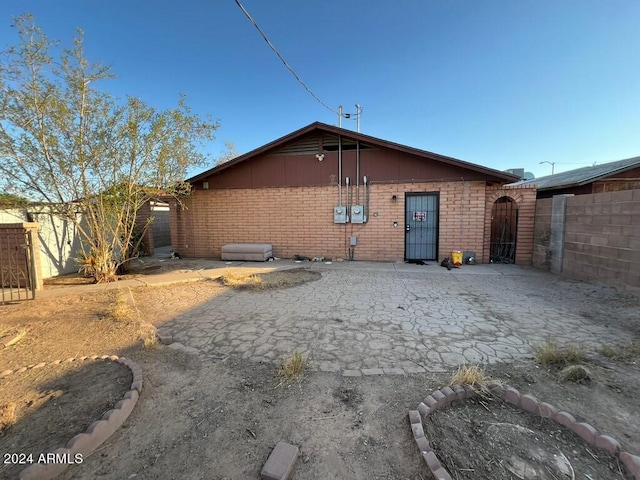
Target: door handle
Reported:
point(408, 227)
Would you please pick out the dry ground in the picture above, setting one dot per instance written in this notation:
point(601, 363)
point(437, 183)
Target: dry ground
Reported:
point(197, 418)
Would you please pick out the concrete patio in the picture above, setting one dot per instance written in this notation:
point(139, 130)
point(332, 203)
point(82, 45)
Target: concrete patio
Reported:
point(385, 318)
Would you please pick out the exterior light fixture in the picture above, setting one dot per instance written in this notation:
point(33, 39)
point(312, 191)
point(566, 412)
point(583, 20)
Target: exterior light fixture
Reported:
point(394, 198)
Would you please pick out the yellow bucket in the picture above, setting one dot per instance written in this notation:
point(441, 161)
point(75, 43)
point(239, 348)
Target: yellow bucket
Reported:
point(456, 257)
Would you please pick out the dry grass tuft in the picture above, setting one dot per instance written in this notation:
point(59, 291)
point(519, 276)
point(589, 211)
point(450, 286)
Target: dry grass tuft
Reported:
point(630, 351)
point(471, 375)
point(148, 335)
point(609, 352)
point(283, 282)
point(242, 279)
point(293, 367)
point(633, 349)
point(550, 355)
point(573, 354)
point(20, 334)
point(7, 415)
point(150, 341)
point(120, 310)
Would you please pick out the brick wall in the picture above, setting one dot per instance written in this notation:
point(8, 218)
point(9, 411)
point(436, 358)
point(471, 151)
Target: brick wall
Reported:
point(525, 198)
point(602, 238)
point(299, 220)
point(542, 234)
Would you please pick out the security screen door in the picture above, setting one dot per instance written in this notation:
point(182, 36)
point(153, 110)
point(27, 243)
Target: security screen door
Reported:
point(421, 226)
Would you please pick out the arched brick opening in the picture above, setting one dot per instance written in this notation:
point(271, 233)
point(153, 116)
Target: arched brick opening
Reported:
point(503, 242)
point(524, 199)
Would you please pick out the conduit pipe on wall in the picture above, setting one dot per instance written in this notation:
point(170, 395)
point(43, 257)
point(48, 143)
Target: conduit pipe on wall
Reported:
point(347, 181)
point(340, 169)
point(357, 172)
point(366, 198)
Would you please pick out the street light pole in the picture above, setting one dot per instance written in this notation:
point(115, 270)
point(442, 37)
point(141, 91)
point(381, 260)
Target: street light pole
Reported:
point(553, 164)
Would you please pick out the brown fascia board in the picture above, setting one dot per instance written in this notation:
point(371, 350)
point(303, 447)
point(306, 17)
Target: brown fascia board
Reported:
point(497, 174)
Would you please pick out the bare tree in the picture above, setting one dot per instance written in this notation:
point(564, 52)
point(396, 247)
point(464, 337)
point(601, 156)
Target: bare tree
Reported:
point(91, 158)
point(229, 153)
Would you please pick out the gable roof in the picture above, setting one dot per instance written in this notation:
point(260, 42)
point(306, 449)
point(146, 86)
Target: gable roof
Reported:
point(582, 176)
point(323, 127)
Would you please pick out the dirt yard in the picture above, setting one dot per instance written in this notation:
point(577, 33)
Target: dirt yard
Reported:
point(199, 417)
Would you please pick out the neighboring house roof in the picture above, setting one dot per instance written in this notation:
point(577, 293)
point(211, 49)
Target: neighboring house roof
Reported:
point(323, 127)
point(582, 176)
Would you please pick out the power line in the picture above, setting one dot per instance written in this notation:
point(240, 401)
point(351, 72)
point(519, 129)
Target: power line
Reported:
point(275, 50)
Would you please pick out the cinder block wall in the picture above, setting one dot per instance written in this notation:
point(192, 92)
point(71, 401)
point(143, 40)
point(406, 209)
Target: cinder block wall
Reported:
point(299, 220)
point(602, 238)
point(542, 234)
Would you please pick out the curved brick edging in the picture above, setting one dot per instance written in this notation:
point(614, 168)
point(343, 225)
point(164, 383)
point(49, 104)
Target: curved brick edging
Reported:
point(458, 394)
point(98, 432)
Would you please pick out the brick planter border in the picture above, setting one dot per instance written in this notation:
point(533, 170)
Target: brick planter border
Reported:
point(457, 394)
point(98, 432)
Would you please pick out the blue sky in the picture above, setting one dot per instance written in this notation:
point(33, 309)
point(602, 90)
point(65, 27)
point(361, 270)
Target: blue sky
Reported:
point(500, 83)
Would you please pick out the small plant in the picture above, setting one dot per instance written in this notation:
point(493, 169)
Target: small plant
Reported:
point(150, 341)
point(7, 415)
point(573, 354)
point(86, 264)
point(471, 375)
point(633, 349)
point(293, 367)
point(284, 282)
point(550, 355)
point(621, 352)
point(609, 352)
point(242, 279)
point(120, 310)
point(576, 374)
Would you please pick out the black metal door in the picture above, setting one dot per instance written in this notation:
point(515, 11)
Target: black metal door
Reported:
point(421, 226)
point(17, 280)
point(504, 230)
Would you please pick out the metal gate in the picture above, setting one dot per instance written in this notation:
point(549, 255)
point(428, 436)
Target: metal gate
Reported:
point(504, 230)
point(421, 226)
point(17, 269)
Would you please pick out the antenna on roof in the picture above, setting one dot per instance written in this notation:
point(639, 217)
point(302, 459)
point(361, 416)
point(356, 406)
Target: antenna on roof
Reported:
point(342, 115)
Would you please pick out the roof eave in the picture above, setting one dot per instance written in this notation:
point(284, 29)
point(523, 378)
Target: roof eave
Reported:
point(256, 151)
point(503, 176)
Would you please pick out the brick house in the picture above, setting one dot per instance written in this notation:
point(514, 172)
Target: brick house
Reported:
point(587, 223)
point(605, 177)
point(323, 191)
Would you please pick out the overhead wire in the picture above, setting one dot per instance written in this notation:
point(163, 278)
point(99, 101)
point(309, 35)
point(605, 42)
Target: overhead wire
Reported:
point(275, 50)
